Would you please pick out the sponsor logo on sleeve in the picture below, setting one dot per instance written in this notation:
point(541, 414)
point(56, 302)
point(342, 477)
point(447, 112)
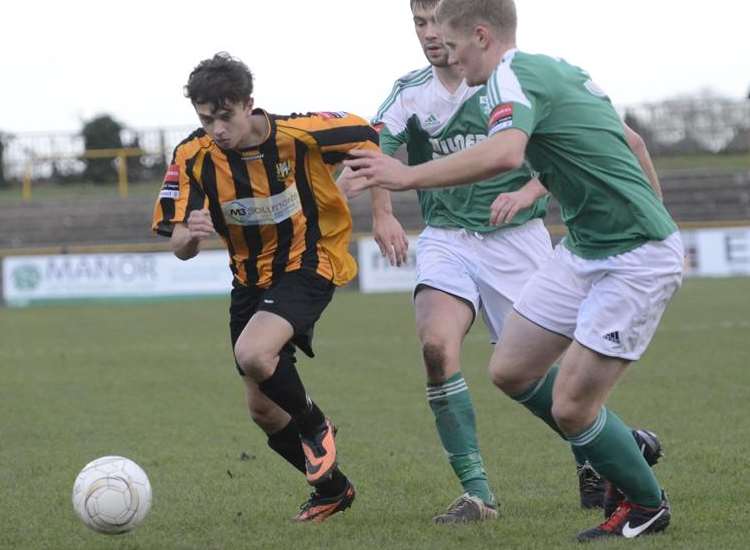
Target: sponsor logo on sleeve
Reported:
point(170, 189)
point(173, 174)
point(328, 115)
point(501, 117)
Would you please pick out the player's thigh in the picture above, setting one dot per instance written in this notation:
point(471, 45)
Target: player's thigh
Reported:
point(628, 297)
point(260, 342)
point(506, 261)
point(524, 354)
point(446, 298)
point(585, 380)
point(287, 313)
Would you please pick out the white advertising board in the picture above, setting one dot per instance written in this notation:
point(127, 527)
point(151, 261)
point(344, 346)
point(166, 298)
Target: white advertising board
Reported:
point(30, 279)
point(717, 252)
point(377, 275)
point(721, 252)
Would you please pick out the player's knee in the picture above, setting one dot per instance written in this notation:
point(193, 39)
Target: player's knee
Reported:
point(255, 362)
point(507, 378)
point(435, 355)
point(570, 416)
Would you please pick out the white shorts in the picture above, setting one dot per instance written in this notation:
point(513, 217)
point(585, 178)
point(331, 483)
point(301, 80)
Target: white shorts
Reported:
point(612, 305)
point(486, 270)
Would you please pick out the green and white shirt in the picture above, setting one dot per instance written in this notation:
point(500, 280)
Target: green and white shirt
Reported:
point(432, 122)
point(577, 143)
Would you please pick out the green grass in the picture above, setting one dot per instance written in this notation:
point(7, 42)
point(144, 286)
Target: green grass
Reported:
point(155, 382)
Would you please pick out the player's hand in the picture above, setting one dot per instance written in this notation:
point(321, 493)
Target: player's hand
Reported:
point(373, 168)
point(199, 224)
point(349, 184)
point(507, 205)
point(391, 238)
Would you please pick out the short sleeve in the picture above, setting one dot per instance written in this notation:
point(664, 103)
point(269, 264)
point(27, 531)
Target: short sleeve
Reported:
point(337, 133)
point(511, 105)
point(179, 194)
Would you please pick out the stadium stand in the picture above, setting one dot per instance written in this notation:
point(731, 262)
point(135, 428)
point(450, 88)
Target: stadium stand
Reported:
point(700, 197)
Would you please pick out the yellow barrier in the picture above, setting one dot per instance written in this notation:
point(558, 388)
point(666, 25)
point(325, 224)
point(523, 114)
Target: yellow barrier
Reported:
point(121, 154)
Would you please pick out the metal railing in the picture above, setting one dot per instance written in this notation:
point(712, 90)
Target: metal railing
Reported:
point(121, 154)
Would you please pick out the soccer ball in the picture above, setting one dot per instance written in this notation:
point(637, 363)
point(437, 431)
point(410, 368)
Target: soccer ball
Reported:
point(112, 495)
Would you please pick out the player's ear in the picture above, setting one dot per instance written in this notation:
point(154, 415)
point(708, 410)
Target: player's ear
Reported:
point(481, 36)
point(248, 107)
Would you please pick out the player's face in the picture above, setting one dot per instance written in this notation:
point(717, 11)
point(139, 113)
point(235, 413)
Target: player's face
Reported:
point(428, 32)
point(228, 125)
point(465, 50)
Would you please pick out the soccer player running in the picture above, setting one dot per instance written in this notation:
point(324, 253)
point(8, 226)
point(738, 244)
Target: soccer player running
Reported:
point(465, 264)
point(599, 299)
point(476, 254)
point(263, 183)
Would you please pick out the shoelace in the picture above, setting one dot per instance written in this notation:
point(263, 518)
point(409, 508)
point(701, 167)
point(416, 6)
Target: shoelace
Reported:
point(591, 483)
point(459, 504)
point(617, 517)
point(589, 479)
point(309, 502)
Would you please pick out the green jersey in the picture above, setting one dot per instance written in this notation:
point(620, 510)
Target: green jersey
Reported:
point(432, 122)
point(577, 143)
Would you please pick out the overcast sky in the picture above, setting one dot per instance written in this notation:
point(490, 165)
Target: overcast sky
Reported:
point(65, 61)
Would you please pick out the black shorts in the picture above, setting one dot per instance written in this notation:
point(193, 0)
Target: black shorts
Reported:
point(298, 297)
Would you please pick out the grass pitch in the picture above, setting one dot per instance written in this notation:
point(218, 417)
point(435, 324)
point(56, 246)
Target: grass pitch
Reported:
point(155, 382)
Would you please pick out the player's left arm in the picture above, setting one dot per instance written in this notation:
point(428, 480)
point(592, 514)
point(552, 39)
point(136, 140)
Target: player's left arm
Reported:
point(336, 134)
point(502, 152)
point(638, 146)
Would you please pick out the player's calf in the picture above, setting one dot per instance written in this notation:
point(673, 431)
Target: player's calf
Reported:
point(651, 448)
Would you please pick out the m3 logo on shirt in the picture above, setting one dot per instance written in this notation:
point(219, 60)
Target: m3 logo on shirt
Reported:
point(501, 117)
point(263, 210)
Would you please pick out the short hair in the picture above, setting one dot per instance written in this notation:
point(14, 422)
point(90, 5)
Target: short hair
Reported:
point(219, 80)
point(424, 4)
point(465, 14)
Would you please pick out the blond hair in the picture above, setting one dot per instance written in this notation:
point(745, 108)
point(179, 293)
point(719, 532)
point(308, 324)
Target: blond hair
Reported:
point(424, 4)
point(465, 14)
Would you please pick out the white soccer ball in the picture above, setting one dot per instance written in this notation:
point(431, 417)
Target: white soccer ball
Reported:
point(112, 495)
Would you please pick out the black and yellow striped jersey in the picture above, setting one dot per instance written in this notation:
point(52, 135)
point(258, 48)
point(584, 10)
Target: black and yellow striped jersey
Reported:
point(276, 206)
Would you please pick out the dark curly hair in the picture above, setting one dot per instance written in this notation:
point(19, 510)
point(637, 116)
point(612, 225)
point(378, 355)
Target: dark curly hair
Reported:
point(219, 80)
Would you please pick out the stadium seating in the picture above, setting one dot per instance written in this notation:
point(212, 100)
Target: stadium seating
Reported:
point(691, 196)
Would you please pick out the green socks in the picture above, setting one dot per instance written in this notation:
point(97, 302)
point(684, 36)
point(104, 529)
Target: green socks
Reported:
point(456, 425)
point(538, 399)
point(608, 445)
point(610, 448)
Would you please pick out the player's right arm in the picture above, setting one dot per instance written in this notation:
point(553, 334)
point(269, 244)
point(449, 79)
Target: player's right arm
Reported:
point(386, 229)
point(389, 234)
point(186, 237)
point(507, 205)
point(180, 212)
